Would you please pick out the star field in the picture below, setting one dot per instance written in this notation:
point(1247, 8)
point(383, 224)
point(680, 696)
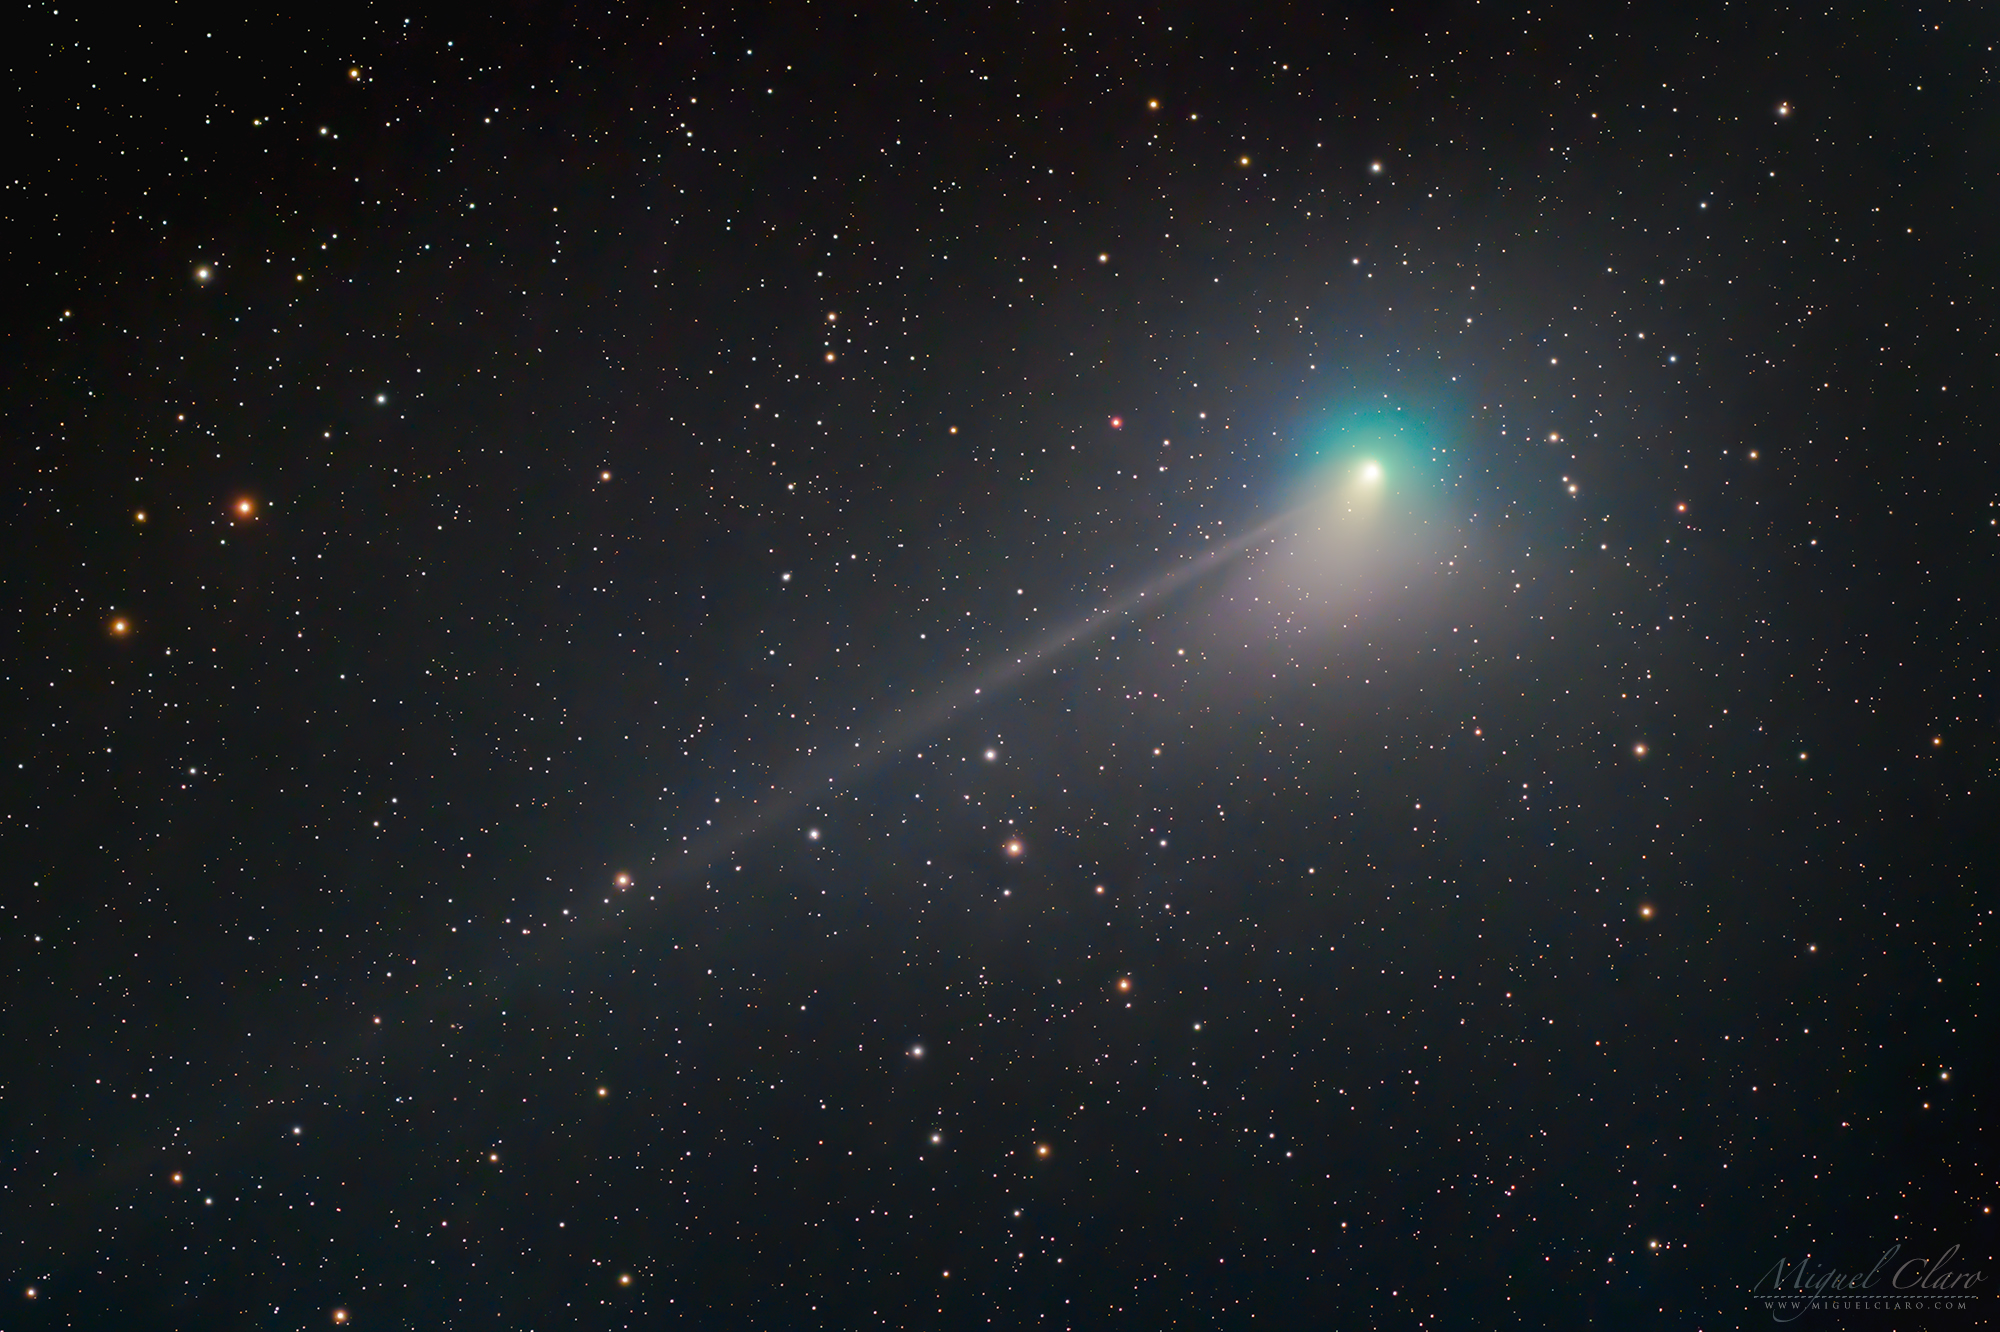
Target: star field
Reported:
point(901, 668)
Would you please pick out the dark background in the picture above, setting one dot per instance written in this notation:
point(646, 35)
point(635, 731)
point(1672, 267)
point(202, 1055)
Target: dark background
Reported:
point(642, 420)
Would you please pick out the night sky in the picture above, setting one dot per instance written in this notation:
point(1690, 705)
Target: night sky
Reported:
point(915, 666)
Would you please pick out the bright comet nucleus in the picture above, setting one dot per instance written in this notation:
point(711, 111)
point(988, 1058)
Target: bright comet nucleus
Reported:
point(1371, 471)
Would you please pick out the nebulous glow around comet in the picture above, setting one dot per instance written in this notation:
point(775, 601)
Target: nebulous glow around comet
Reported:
point(1340, 449)
point(1362, 491)
point(1365, 518)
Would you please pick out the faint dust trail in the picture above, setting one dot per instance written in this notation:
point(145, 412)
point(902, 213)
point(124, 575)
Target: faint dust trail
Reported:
point(949, 702)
